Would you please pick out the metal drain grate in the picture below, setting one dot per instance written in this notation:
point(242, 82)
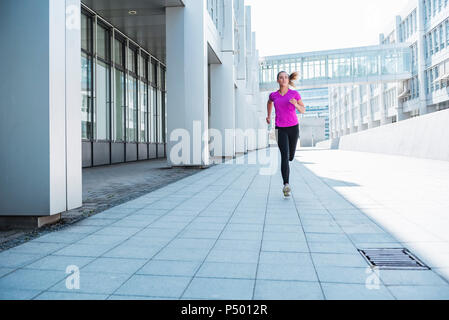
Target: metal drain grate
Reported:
point(393, 259)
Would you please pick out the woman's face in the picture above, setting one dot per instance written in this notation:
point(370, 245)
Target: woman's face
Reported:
point(283, 79)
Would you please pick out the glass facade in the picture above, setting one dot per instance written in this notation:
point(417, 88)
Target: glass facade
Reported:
point(123, 87)
point(103, 76)
point(86, 77)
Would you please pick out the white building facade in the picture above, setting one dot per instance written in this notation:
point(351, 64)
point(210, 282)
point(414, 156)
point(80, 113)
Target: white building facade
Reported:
point(424, 25)
point(95, 82)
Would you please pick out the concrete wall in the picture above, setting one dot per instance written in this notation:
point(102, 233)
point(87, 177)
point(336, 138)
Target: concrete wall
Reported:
point(422, 137)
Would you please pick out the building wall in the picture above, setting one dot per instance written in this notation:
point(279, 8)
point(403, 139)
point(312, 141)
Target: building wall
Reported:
point(424, 24)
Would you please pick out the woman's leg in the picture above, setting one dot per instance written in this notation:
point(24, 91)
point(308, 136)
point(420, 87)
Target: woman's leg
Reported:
point(283, 143)
point(293, 138)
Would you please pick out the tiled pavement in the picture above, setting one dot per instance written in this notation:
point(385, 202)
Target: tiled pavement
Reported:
point(228, 233)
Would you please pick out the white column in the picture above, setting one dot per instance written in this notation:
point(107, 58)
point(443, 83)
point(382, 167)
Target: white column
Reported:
point(187, 80)
point(240, 115)
point(223, 88)
point(73, 103)
point(40, 119)
point(241, 105)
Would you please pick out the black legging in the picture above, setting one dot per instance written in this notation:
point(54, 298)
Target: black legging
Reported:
point(287, 139)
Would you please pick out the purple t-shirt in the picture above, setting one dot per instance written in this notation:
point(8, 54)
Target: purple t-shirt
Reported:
point(285, 111)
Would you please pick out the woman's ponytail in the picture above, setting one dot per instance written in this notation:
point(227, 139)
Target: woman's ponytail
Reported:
point(292, 78)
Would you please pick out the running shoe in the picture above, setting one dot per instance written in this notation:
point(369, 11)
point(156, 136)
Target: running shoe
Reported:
point(287, 190)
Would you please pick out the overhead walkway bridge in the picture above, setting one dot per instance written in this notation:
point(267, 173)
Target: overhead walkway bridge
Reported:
point(372, 64)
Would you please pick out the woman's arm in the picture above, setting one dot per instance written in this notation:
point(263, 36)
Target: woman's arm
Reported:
point(269, 110)
point(299, 105)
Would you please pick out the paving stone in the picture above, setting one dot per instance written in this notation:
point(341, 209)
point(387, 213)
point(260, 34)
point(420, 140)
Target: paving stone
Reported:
point(212, 288)
point(287, 290)
point(154, 286)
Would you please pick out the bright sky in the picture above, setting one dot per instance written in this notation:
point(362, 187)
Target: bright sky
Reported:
point(293, 26)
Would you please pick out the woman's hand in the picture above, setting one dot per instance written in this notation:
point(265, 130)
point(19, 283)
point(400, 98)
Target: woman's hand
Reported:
point(299, 105)
point(294, 102)
point(268, 120)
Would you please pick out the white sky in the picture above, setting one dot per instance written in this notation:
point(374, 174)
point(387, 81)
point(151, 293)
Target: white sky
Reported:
point(293, 26)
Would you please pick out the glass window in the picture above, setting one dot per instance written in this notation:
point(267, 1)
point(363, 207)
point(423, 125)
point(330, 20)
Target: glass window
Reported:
point(447, 32)
point(153, 118)
point(154, 73)
point(103, 118)
point(159, 117)
point(429, 37)
point(118, 53)
point(131, 115)
point(163, 79)
point(132, 56)
point(86, 32)
point(441, 37)
point(142, 67)
point(435, 40)
point(103, 83)
point(86, 96)
point(164, 117)
point(119, 106)
point(143, 112)
point(103, 43)
point(86, 77)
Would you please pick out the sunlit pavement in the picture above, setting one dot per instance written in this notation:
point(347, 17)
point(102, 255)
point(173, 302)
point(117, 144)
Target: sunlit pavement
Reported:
point(228, 233)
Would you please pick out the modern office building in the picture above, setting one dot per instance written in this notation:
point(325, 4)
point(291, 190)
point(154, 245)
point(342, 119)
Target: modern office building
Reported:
point(424, 26)
point(97, 82)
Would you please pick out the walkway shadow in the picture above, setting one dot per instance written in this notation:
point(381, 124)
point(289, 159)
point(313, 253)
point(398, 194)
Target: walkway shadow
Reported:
point(339, 183)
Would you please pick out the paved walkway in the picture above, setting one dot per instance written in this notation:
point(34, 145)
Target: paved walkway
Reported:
point(228, 233)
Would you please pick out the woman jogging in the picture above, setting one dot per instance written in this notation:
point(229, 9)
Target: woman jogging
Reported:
point(286, 102)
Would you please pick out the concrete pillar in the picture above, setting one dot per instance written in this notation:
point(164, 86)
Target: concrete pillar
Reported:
point(421, 59)
point(40, 118)
point(187, 81)
point(223, 88)
point(240, 115)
